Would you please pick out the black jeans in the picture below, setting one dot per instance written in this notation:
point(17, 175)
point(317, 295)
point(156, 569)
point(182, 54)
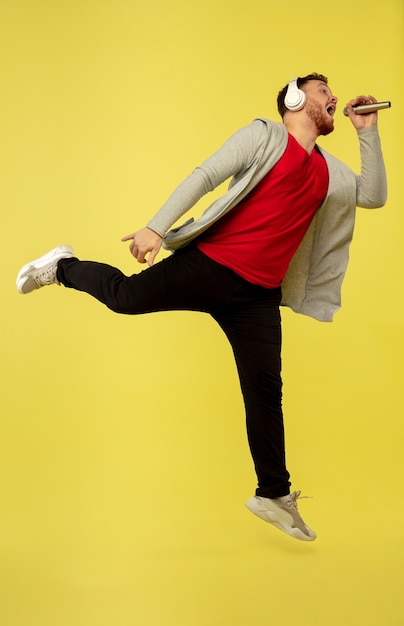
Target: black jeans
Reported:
point(248, 314)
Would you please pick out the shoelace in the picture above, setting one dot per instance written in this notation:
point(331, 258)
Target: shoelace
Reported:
point(291, 501)
point(45, 277)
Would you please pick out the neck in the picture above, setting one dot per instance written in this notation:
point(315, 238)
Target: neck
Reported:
point(305, 134)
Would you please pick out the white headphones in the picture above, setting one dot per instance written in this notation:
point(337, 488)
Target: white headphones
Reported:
point(295, 98)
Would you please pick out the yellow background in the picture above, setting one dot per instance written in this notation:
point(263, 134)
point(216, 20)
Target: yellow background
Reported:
point(124, 462)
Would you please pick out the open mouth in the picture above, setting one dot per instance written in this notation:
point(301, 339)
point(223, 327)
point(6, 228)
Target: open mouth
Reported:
point(331, 110)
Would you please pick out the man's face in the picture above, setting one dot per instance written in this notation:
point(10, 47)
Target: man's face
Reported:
point(320, 105)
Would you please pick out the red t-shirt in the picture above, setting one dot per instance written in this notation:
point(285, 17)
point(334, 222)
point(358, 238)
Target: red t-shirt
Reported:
point(258, 237)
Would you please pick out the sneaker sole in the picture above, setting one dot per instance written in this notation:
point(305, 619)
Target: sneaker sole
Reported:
point(278, 518)
point(57, 253)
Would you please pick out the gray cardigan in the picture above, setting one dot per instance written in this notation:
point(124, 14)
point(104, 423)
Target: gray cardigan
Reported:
point(312, 284)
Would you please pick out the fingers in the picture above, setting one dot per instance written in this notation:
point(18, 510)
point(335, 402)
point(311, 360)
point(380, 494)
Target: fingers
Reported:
point(365, 99)
point(128, 237)
point(152, 256)
point(364, 120)
point(360, 100)
point(134, 248)
point(138, 252)
point(142, 243)
point(140, 255)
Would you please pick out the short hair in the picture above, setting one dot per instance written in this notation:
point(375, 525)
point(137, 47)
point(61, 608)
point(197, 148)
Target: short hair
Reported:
point(302, 80)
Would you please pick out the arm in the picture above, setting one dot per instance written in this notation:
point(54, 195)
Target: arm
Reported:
point(235, 155)
point(372, 183)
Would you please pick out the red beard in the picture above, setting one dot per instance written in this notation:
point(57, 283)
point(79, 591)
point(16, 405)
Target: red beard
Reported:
point(317, 114)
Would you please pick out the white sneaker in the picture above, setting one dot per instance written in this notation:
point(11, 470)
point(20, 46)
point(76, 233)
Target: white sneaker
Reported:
point(42, 271)
point(282, 513)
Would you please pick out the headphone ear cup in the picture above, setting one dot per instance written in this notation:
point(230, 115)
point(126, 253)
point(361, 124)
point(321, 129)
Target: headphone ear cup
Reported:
point(295, 98)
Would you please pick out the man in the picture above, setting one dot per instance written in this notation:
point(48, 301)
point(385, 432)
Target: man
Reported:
point(280, 235)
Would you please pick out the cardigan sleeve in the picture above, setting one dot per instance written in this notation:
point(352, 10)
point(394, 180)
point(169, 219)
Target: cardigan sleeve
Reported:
point(371, 191)
point(235, 155)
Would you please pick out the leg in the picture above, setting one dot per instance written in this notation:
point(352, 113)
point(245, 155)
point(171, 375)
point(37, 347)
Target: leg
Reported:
point(250, 317)
point(187, 280)
point(254, 330)
point(248, 314)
